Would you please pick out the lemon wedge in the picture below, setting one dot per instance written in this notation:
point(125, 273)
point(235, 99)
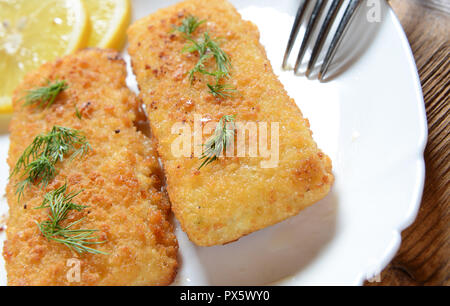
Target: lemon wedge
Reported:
point(109, 20)
point(33, 32)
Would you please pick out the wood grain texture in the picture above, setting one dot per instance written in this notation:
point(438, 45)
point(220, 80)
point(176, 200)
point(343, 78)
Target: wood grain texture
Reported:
point(423, 258)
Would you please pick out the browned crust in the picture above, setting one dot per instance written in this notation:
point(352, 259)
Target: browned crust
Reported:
point(233, 196)
point(119, 177)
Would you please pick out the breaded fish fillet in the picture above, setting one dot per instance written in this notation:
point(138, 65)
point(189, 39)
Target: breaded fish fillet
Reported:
point(119, 178)
point(230, 197)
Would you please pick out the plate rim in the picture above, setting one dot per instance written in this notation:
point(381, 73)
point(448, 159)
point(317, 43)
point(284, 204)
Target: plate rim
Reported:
point(411, 213)
point(414, 206)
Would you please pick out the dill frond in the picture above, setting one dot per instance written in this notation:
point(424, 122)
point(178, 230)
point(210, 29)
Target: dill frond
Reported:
point(207, 47)
point(77, 113)
point(46, 95)
point(221, 90)
point(189, 24)
point(222, 60)
point(200, 67)
point(37, 162)
point(59, 202)
point(219, 141)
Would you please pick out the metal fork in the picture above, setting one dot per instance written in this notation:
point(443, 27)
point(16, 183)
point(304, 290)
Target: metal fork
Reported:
point(329, 20)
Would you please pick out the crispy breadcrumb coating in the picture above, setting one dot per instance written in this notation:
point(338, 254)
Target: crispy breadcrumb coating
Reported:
point(230, 197)
point(119, 178)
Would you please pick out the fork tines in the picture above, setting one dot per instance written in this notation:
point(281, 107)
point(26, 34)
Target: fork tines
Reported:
point(324, 31)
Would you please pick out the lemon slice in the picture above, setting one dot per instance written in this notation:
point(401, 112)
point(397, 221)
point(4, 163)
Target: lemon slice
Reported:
point(109, 20)
point(33, 32)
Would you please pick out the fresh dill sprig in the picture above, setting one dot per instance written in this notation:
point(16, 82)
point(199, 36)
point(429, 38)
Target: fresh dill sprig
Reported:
point(200, 67)
point(207, 48)
point(221, 90)
point(46, 95)
point(37, 162)
point(219, 141)
point(189, 25)
point(77, 113)
point(222, 60)
point(59, 202)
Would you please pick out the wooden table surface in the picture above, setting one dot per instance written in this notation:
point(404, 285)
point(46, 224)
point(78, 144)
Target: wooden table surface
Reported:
point(423, 258)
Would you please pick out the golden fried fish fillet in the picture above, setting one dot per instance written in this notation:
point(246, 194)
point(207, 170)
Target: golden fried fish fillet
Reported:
point(119, 178)
point(233, 196)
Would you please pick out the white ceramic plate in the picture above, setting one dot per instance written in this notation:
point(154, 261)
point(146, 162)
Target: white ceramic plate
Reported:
point(370, 119)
